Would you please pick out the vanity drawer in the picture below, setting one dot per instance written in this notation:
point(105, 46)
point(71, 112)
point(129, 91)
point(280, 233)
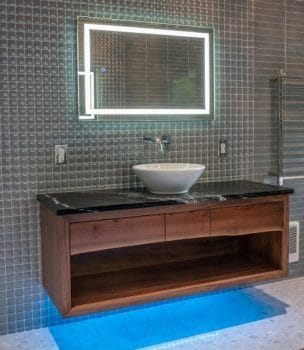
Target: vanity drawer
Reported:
point(247, 219)
point(190, 224)
point(105, 234)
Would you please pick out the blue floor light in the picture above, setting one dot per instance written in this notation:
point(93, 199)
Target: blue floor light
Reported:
point(156, 323)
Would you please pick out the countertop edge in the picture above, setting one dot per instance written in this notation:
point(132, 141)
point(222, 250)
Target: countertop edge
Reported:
point(146, 200)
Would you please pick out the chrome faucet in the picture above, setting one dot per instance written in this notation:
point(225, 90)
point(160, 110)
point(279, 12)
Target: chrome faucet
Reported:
point(162, 143)
point(159, 144)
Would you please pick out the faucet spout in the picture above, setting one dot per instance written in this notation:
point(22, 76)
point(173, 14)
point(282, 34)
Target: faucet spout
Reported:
point(162, 143)
point(159, 144)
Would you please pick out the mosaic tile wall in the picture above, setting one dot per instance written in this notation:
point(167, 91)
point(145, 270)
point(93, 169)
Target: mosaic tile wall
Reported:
point(278, 45)
point(294, 129)
point(38, 110)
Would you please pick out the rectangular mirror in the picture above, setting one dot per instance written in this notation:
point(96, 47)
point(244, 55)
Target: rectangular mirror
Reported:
point(127, 69)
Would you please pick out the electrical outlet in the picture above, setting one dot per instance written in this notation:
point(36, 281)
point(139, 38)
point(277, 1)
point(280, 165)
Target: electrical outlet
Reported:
point(61, 154)
point(222, 149)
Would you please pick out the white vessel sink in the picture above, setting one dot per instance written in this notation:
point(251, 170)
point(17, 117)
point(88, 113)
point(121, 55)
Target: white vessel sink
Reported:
point(168, 178)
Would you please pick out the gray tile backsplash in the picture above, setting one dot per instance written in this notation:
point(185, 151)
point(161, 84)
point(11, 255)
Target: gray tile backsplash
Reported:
point(38, 109)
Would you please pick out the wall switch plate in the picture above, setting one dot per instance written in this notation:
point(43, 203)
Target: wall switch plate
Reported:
point(222, 148)
point(61, 154)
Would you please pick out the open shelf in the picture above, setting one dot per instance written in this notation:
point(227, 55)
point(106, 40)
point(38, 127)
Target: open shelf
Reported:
point(120, 277)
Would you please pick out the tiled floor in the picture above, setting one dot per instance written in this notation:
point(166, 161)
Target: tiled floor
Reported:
point(282, 332)
point(38, 339)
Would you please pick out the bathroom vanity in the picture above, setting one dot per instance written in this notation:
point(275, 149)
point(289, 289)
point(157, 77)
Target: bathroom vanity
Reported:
point(107, 249)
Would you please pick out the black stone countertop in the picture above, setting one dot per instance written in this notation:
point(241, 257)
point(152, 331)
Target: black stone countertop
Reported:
point(93, 201)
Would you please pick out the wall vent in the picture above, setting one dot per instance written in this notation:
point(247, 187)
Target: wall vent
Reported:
point(294, 241)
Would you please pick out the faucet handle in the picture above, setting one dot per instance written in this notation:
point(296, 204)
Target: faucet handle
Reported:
point(166, 140)
point(148, 139)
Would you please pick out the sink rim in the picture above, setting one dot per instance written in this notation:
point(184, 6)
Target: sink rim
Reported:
point(169, 167)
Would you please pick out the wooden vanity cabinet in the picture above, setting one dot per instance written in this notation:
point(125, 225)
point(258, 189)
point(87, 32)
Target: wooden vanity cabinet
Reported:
point(106, 260)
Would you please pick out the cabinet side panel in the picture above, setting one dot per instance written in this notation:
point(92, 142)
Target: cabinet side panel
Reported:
point(285, 237)
point(56, 259)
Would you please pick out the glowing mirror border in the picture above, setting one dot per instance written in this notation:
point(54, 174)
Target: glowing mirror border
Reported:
point(89, 102)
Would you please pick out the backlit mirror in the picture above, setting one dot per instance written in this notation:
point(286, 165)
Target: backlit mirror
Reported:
point(137, 69)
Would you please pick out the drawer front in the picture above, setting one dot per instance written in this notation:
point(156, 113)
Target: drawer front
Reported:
point(106, 234)
point(190, 224)
point(247, 219)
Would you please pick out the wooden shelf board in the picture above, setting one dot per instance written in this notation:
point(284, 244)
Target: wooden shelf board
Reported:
point(137, 285)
